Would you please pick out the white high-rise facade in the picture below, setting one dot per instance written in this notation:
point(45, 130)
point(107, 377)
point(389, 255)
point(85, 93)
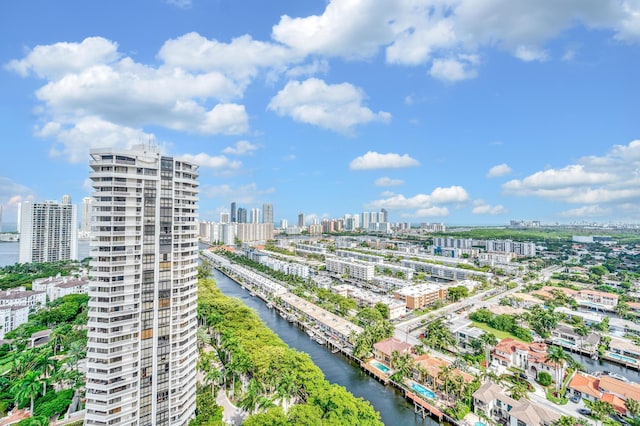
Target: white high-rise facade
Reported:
point(85, 220)
point(267, 213)
point(48, 232)
point(255, 215)
point(142, 349)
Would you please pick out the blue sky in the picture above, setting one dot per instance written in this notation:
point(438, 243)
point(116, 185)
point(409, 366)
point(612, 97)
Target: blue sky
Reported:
point(455, 111)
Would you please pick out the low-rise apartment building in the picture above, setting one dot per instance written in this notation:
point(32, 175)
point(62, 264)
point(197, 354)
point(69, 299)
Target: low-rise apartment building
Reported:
point(421, 295)
point(352, 268)
point(604, 388)
point(11, 317)
point(20, 296)
point(57, 287)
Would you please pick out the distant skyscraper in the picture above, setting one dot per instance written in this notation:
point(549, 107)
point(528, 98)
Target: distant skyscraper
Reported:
point(142, 349)
point(384, 215)
point(66, 199)
point(85, 220)
point(255, 215)
point(284, 223)
point(224, 217)
point(267, 213)
point(242, 215)
point(234, 216)
point(301, 220)
point(48, 232)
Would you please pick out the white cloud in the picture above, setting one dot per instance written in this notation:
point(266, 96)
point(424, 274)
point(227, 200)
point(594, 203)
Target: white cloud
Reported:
point(240, 60)
point(422, 205)
point(241, 148)
point(74, 141)
point(587, 211)
point(91, 82)
point(530, 54)
point(57, 60)
point(429, 212)
point(480, 207)
point(452, 70)
point(608, 181)
point(499, 170)
point(11, 195)
point(373, 160)
point(411, 31)
point(387, 181)
point(246, 194)
point(313, 68)
point(218, 162)
point(336, 107)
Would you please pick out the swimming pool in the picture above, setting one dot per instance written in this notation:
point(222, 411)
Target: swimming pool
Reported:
point(480, 424)
point(565, 341)
point(427, 393)
point(380, 367)
point(622, 358)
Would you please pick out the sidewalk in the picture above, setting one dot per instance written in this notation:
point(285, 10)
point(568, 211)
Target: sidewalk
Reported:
point(230, 413)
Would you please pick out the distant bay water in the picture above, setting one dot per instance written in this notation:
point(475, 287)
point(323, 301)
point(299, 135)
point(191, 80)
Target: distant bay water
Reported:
point(10, 252)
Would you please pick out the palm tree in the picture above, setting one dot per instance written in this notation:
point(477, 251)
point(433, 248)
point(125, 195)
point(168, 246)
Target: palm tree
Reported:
point(488, 341)
point(557, 356)
point(27, 387)
point(600, 410)
point(48, 366)
point(519, 390)
point(445, 376)
point(213, 376)
point(582, 331)
point(571, 421)
point(402, 364)
point(76, 352)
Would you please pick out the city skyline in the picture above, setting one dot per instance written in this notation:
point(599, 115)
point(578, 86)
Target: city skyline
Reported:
point(462, 112)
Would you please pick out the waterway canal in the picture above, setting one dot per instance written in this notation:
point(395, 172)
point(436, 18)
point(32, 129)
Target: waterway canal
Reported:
point(393, 408)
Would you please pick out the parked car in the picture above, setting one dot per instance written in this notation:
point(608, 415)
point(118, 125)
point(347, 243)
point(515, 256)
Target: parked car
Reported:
point(523, 376)
point(575, 399)
point(620, 419)
point(584, 411)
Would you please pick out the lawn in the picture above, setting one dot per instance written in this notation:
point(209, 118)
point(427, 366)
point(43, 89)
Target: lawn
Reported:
point(498, 333)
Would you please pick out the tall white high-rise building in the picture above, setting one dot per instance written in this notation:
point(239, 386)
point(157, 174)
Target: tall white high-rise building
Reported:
point(85, 220)
point(255, 215)
point(142, 349)
point(48, 232)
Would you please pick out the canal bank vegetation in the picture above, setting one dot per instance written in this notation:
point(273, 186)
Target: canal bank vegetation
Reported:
point(45, 378)
point(22, 274)
point(261, 374)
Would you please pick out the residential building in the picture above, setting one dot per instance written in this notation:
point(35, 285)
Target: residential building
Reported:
point(20, 296)
point(48, 232)
point(383, 351)
point(604, 388)
point(491, 400)
point(85, 220)
point(351, 268)
point(250, 232)
point(242, 215)
point(428, 370)
point(57, 287)
point(450, 242)
point(301, 220)
point(597, 300)
point(445, 272)
point(142, 350)
point(224, 217)
point(420, 295)
point(464, 333)
point(11, 317)
point(524, 249)
point(234, 213)
point(267, 213)
point(529, 357)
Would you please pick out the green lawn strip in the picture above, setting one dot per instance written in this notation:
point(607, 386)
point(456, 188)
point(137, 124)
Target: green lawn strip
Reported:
point(498, 333)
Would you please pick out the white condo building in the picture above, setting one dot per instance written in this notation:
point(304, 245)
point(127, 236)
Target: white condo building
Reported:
point(85, 219)
point(48, 231)
point(141, 351)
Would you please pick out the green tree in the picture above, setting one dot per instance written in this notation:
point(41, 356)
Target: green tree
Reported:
point(557, 356)
point(633, 406)
point(488, 341)
point(27, 387)
point(544, 378)
point(457, 293)
point(383, 309)
point(600, 410)
point(402, 364)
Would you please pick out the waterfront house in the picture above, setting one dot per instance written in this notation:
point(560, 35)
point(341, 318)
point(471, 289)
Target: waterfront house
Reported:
point(491, 401)
point(428, 370)
point(597, 300)
point(604, 388)
point(565, 336)
point(623, 351)
point(383, 350)
point(529, 357)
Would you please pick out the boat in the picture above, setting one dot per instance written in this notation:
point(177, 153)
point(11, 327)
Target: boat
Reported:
point(335, 350)
point(270, 305)
point(284, 315)
point(310, 333)
point(253, 293)
point(319, 340)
